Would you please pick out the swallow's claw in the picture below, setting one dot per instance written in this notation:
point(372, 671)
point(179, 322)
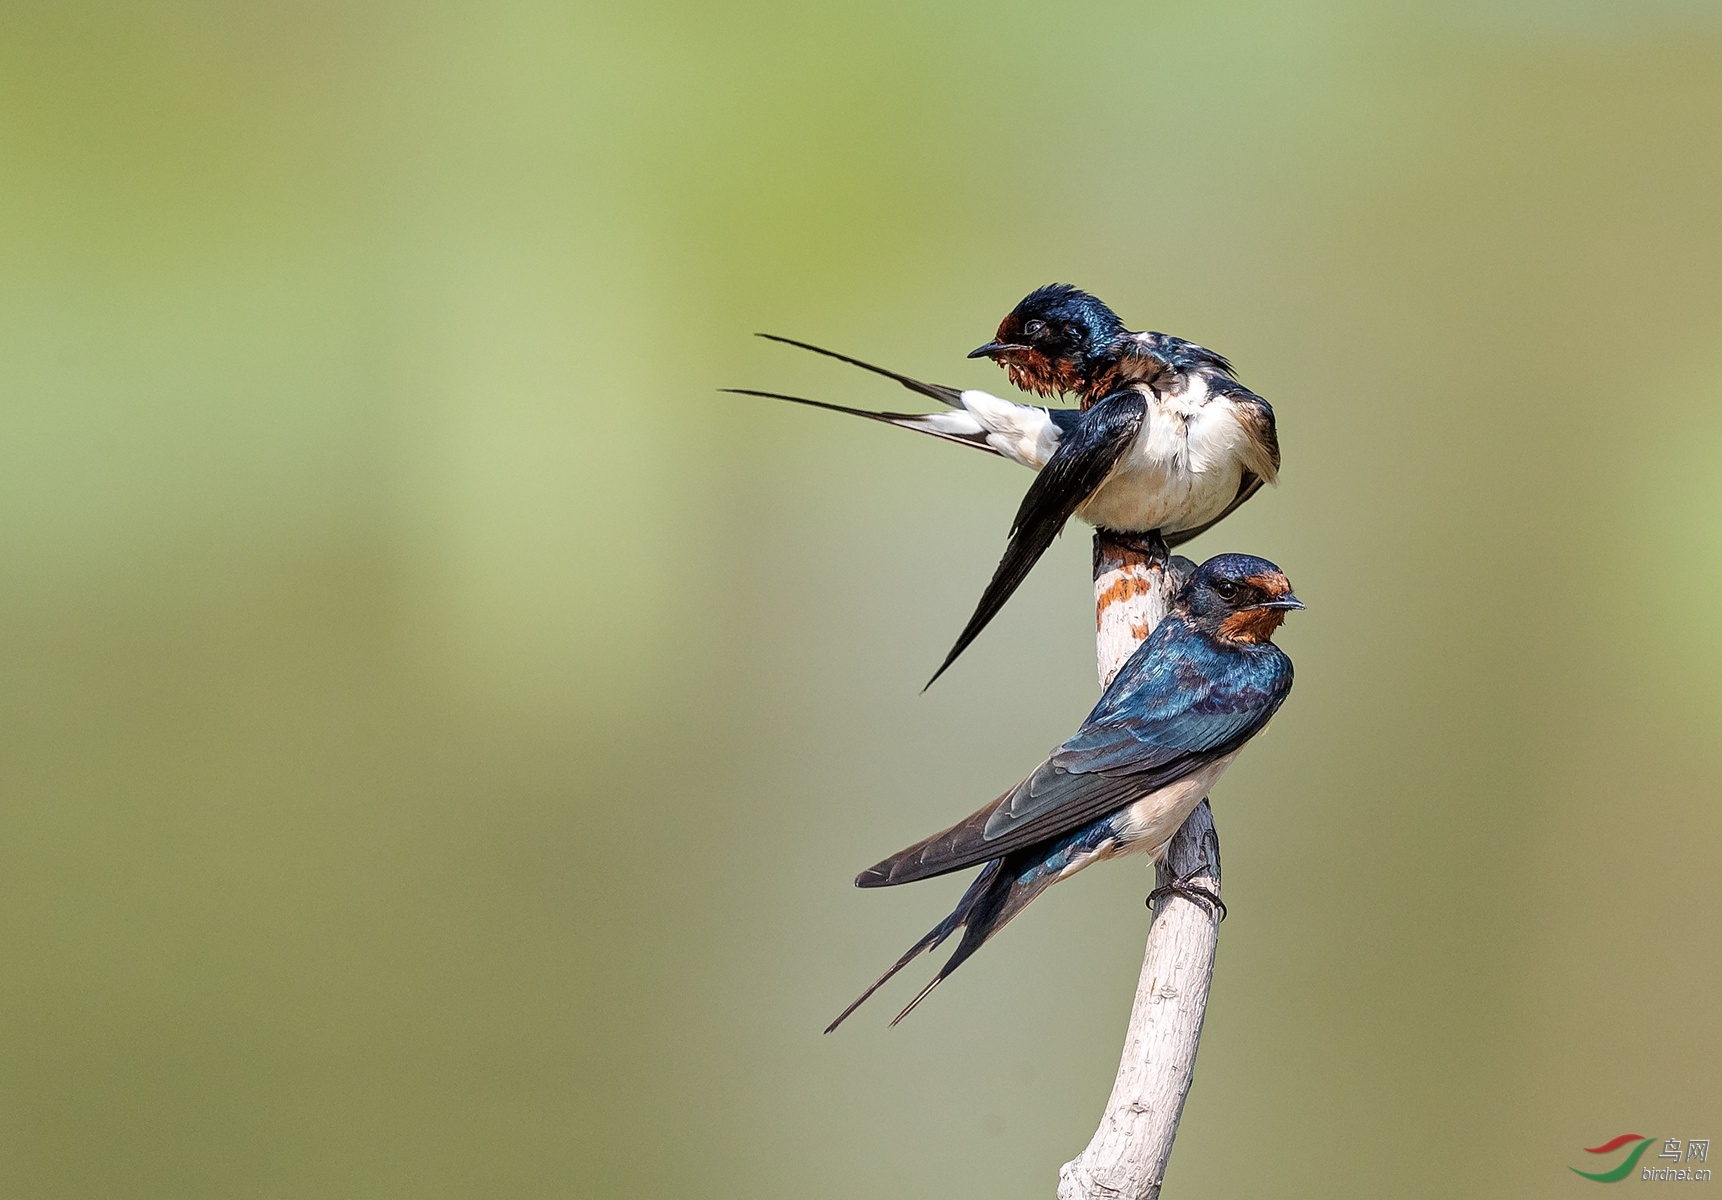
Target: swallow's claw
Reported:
point(1151, 545)
point(1182, 886)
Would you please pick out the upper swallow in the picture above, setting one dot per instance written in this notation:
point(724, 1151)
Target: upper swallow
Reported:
point(1180, 709)
point(1165, 444)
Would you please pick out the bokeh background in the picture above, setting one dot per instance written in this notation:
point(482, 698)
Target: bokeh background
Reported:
point(440, 730)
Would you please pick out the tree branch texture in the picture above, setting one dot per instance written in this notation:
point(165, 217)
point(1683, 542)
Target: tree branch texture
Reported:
point(1126, 1159)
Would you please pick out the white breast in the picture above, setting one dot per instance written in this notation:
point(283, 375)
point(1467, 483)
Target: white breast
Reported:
point(1150, 823)
point(1181, 471)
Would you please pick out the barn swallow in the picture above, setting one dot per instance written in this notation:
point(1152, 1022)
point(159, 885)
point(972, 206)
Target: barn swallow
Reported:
point(1204, 682)
point(1165, 443)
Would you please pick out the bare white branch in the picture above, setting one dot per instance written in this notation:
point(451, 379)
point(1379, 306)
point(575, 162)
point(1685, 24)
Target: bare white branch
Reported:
point(1126, 1159)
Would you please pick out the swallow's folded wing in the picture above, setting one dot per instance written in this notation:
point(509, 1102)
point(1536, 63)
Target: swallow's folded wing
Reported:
point(1087, 451)
point(1163, 729)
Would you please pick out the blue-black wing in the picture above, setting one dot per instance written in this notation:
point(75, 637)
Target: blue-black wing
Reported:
point(1087, 451)
point(1179, 705)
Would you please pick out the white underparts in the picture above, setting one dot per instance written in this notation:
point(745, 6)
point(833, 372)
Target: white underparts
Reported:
point(1150, 823)
point(1181, 472)
point(1183, 468)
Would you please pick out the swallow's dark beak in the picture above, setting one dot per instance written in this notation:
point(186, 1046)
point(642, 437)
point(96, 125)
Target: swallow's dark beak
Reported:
point(992, 349)
point(1287, 601)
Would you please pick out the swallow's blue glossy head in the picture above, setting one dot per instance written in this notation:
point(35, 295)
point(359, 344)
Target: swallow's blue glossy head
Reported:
point(1237, 598)
point(1050, 342)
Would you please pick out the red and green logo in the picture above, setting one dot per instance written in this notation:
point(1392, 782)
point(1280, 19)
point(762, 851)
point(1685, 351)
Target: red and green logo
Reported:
point(1609, 1147)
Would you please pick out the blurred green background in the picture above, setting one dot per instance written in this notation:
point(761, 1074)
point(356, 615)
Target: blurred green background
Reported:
point(440, 730)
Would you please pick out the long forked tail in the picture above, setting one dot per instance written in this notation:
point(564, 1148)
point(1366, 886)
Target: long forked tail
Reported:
point(960, 426)
point(999, 892)
point(937, 391)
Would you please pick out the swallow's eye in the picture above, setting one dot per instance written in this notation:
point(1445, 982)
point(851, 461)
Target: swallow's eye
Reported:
point(1034, 328)
point(1227, 589)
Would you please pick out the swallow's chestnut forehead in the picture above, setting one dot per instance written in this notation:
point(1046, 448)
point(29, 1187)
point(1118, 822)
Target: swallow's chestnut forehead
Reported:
point(1274, 583)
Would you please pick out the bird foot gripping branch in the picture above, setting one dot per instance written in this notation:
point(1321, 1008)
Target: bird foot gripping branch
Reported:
point(1178, 712)
point(1185, 886)
point(1151, 545)
point(1165, 444)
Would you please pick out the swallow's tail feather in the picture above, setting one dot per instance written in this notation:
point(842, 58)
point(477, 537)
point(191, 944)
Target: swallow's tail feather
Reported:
point(999, 892)
point(1006, 896)
point(958, 426)
point(933, 939)
point(937, 391)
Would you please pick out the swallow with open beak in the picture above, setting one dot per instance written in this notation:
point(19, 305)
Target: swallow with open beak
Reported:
point(1165, 443)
